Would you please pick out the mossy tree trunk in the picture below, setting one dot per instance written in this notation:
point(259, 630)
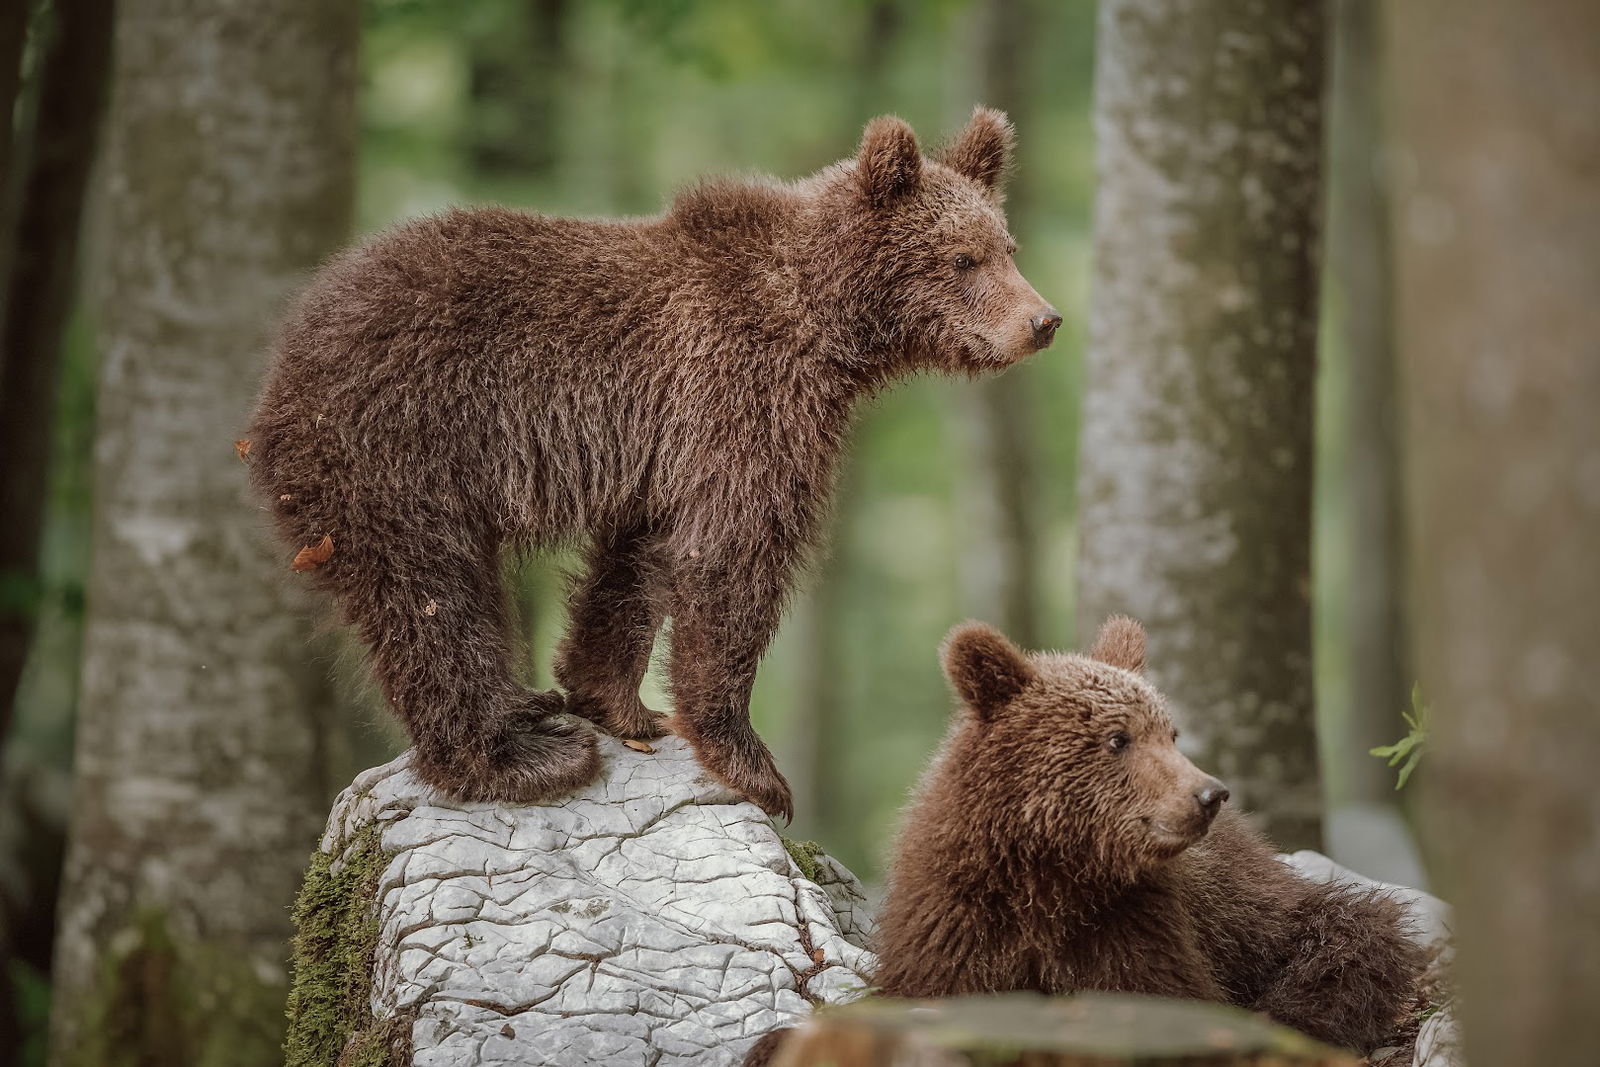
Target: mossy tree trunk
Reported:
point(1360, 258)
point(200, 778)
point(1196, 458)
point(1497, 229)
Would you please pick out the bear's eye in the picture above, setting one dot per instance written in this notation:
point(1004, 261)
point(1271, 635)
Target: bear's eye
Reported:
point(1118, 741)
point(965, 262)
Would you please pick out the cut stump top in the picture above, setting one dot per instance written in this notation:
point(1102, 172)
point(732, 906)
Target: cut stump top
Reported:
point(1088, 1030)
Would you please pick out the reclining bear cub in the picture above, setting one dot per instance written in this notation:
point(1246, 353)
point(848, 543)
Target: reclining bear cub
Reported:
point(673, 392)
point(1061, 841)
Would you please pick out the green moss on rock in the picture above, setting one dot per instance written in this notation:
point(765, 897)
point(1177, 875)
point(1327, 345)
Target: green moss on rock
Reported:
point(336, 931)
point(805, 855)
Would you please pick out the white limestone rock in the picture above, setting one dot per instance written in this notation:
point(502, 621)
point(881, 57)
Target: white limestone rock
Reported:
point(653, 918)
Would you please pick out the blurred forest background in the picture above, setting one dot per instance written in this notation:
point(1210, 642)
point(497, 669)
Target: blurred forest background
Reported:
point(960, 500)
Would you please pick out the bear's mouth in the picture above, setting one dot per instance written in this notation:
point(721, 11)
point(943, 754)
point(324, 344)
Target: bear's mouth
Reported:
point(1168, 841)
point(981, 350)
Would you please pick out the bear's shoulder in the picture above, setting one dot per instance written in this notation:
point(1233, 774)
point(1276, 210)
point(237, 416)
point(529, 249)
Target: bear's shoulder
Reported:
point(724, 209)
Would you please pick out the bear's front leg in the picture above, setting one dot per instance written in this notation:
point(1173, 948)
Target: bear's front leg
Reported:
point(1351, 972)
point(725, 609)
point(1145, 942)
point(614, 615)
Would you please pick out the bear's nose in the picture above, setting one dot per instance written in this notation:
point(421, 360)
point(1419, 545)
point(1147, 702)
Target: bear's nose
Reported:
point(1210, 796)
point(1044, 325)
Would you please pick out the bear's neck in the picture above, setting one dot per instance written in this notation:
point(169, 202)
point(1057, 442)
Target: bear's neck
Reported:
point(957, 835)
point(972, 909)
point(763, 244)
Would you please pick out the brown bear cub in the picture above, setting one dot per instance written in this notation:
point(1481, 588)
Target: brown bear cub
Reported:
point(673, 392)
point(1061, 842)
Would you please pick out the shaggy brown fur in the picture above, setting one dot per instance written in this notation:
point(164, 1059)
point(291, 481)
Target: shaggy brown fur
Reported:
point(673, 392)
point(1061, 842)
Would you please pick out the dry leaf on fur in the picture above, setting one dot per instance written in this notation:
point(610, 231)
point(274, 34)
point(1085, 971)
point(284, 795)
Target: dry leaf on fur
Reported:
point(313, 556)
point(637, 746)
point(431, 608)
point(242, 446)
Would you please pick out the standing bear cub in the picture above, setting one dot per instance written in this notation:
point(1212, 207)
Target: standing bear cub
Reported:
point(1061, 842)
point(672, 392)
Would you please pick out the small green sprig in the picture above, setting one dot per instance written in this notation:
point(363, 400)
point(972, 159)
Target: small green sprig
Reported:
point(1408, 750)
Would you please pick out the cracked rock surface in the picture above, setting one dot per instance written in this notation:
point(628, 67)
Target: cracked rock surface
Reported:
point(653, 918)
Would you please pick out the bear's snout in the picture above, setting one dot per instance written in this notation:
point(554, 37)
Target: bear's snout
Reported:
point(1044, 326)
point(1209, 797)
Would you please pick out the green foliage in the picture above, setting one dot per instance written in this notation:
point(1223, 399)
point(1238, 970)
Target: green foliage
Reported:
point(336, 931)
point(1407, 751)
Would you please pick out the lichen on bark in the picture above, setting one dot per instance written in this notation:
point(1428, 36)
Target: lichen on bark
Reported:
point(336, 931)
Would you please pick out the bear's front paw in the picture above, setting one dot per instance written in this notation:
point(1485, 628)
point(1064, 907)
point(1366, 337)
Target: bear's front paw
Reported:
point(751, 772)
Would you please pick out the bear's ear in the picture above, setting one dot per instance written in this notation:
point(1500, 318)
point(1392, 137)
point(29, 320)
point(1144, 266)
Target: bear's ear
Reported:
point(889, 163)
point(1120, 643)
point(982, 151)
point(986, 671)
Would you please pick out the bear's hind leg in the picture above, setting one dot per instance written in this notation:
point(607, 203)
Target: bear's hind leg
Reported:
point(613, 617)
point(434, 617)
point(1351, 972)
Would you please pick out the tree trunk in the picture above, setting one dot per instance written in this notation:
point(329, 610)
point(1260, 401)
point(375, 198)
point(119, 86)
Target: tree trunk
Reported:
point(13, 35)
point(200, 780)
point(818, 737)
point(1195, 469)
point(999, 561)
point(38, 292)
point(1360, 256)
point(1497, 227)
point(817, 744)
point(516, 70)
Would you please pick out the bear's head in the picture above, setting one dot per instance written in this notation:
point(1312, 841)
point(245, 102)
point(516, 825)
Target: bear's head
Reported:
point(1075, 753)
point(916, 252)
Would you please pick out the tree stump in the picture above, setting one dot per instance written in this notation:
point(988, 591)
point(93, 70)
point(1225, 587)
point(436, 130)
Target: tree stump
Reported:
point(1026, 1030)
